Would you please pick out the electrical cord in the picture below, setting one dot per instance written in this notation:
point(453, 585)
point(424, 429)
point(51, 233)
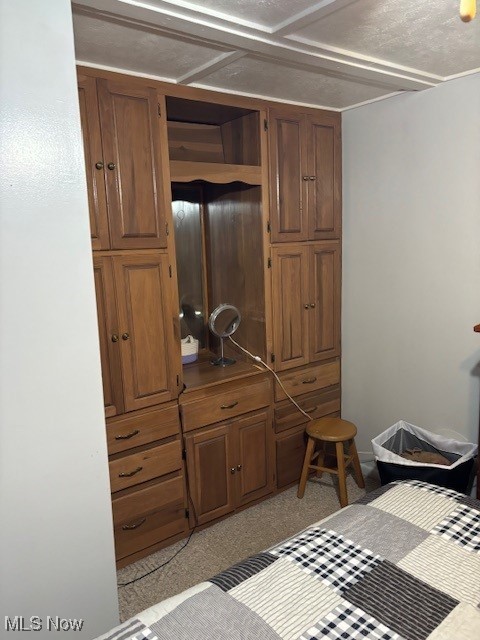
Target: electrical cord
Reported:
point(258, 359)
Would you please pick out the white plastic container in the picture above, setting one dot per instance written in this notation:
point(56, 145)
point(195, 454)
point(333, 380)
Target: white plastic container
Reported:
point(189, 349)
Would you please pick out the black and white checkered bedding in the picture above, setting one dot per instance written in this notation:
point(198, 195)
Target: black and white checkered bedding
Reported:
point(401, 563)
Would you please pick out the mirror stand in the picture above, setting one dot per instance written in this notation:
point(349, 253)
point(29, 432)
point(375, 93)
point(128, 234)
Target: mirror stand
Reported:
point(222, 361)
point(224, 321)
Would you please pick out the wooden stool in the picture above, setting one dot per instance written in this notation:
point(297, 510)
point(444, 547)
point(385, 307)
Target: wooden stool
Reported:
point(337, 431)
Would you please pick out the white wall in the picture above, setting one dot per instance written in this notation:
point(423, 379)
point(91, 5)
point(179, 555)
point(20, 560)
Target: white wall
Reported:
point(56, 543)
point(411, 262)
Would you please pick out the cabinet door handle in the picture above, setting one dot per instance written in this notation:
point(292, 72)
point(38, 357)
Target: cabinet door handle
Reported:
point(114, 338)
point(130, 527)
point(125, 336)
point(129, 474)
point(311, 410)
point(306, 306)
point(312, 177)
point(239, 467)
point(305, 178)
point(99, 165)
point(127, 436)
point(229, 406)
point(309, 380)
point(232, 470)
point(312, 305)
point(111, 166)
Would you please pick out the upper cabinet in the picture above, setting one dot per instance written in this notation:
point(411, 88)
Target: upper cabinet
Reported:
point(124, 131)
point(306, 303)
point(305, 175)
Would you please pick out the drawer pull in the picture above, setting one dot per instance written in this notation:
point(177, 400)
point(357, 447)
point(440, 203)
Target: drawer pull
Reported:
point(311, 410)
point(130, 527)
point(229, 406)
point(129, 474)
point(309, 380)
point(127, 436)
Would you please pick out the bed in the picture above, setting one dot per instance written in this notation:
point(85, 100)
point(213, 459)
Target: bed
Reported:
point(401, 562)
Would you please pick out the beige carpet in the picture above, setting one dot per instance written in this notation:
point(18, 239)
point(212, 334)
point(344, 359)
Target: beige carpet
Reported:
point(217, 547)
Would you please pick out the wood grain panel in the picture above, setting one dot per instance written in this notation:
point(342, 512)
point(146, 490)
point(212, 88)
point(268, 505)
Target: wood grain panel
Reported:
point(325, 276)
point(288, 189)
point(308, 379)
point(290, 452)
point(317, 404)
point(195, 142)
point(253, 470)
point(136, 430)
point(241, 140)
point(147, 500)
point(142, 529)
point(130, 122)
point(148, 357)
point(290, 295)
point(184, 171)
point(209, 459)
point(107, 329)
point(145, 465)
point(224, 406)
point(92, 147)
point(324, 191)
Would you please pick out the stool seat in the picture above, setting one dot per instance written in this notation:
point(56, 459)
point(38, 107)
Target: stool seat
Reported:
point(331, 430)
point(326, 432)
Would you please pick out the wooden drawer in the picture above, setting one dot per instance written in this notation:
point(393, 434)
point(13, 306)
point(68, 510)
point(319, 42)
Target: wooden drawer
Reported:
point(226, 405)
point(134, 431)
point(309, 378)
point(317, 404)
point(145, 465)
point(148, 516)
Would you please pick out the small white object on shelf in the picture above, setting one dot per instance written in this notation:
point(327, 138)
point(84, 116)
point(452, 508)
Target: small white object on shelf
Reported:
point(189, 349)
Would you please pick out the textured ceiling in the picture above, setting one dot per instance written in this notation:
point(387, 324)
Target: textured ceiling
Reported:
point(330, 53)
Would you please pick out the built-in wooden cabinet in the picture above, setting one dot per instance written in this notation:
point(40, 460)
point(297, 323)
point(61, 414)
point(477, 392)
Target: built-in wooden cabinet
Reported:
point(230, 465)
point(197, 199)
point(306, 302)
point(140, 362)
point(305, 175)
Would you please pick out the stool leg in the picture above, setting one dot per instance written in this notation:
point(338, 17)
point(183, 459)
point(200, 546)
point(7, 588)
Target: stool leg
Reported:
point(356, 466)
point(306, 464)
point(342, 479)
point(321, 459)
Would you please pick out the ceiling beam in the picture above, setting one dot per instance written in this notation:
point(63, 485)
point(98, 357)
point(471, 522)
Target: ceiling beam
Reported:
point(312, 14)
point(175, 21)
point(206, 69)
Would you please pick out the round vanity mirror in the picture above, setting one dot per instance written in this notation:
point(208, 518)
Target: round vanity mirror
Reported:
point(223, 322)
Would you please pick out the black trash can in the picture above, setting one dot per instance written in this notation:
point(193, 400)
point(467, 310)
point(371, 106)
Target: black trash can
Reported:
point(403, 436)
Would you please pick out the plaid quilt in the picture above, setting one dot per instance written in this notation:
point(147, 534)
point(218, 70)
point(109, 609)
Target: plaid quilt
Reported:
point(401, 563)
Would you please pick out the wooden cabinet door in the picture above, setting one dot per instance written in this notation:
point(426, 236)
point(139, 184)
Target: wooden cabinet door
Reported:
point(108, 335)
point(288, 195)
point(253, 468)
point(324, 167)
point(148, 355)
point(210, 461)
point(291, 300)
point(136, 175)
point(92, 146)
point(324, 317)
point(290, 453)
